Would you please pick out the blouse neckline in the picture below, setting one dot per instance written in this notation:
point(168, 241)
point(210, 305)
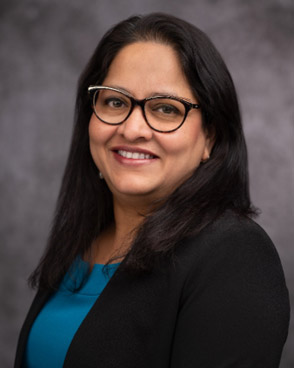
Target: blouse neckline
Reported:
point(78, 280)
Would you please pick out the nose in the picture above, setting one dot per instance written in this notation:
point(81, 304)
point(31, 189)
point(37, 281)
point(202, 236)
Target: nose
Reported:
point(135, 127)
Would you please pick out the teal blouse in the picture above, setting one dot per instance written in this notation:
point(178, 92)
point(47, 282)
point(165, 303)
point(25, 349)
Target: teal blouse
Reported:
point(60, 318)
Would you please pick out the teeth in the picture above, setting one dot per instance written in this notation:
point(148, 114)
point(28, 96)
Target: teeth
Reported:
point(134, 155)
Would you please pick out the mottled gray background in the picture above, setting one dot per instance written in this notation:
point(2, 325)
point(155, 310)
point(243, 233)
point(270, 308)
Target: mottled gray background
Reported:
point(44, 46)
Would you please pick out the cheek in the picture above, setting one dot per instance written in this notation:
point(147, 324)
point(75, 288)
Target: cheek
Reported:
point(94, 140)
point(93, 131)
point(99, 134)
point(185, 144)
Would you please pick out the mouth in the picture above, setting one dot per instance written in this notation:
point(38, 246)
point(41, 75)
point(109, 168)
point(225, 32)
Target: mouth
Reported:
point(135, 155)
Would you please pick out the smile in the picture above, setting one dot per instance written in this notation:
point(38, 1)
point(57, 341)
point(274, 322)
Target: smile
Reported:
point(135, 155)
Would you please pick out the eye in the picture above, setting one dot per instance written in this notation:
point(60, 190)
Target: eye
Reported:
point(166, 109)
point(114, 102)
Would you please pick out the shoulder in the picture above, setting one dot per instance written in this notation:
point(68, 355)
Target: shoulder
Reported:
point(232, 248)
point(233, 236)
point(233, 301)
point(233, 228)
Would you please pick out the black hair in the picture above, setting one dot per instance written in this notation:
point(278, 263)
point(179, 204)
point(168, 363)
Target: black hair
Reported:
point(84, 206)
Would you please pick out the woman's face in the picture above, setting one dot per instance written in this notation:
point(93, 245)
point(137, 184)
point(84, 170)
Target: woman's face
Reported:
point(146, 69)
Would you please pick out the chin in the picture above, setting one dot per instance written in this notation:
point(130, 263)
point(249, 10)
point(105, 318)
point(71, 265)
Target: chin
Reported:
point(133, 191)
point(132, 185)
point(140, 192)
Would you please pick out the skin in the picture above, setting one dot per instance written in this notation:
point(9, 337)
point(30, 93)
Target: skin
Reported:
point(144, 69)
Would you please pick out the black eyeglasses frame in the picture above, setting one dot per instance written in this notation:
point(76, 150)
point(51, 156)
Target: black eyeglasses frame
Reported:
point(135, 102)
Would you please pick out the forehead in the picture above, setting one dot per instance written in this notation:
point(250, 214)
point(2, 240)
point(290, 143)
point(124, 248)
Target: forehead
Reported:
point(145, 67)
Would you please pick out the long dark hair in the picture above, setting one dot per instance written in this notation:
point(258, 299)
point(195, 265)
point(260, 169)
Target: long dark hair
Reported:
point(84, 206)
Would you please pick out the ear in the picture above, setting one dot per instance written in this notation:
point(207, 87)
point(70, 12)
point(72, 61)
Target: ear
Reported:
point(209, 143)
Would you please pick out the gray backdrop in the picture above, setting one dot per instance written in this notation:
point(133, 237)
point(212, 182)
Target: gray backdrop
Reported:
point(44, 46)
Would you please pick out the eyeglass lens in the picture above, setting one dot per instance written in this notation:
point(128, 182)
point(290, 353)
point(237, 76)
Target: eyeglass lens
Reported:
point(163, 114)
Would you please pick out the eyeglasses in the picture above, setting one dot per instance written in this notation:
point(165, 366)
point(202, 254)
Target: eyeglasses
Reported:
point(163, 114)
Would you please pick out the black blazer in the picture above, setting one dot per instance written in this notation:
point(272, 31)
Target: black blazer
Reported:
point(221, 302)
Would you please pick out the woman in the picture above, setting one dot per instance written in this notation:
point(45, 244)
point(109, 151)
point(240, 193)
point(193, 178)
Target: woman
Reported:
point(153, 260)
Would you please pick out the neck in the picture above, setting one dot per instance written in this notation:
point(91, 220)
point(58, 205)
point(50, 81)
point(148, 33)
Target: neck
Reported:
point(117, 238)
point(127, 218)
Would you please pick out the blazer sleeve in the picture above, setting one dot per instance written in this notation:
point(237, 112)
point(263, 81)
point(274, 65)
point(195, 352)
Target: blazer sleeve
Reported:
point(235, 308)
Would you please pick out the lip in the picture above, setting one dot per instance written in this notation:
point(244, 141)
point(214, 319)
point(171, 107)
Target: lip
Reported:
point(132, 161)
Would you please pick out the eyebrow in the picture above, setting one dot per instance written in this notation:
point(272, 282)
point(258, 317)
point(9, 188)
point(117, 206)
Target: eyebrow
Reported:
point(153, 94)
